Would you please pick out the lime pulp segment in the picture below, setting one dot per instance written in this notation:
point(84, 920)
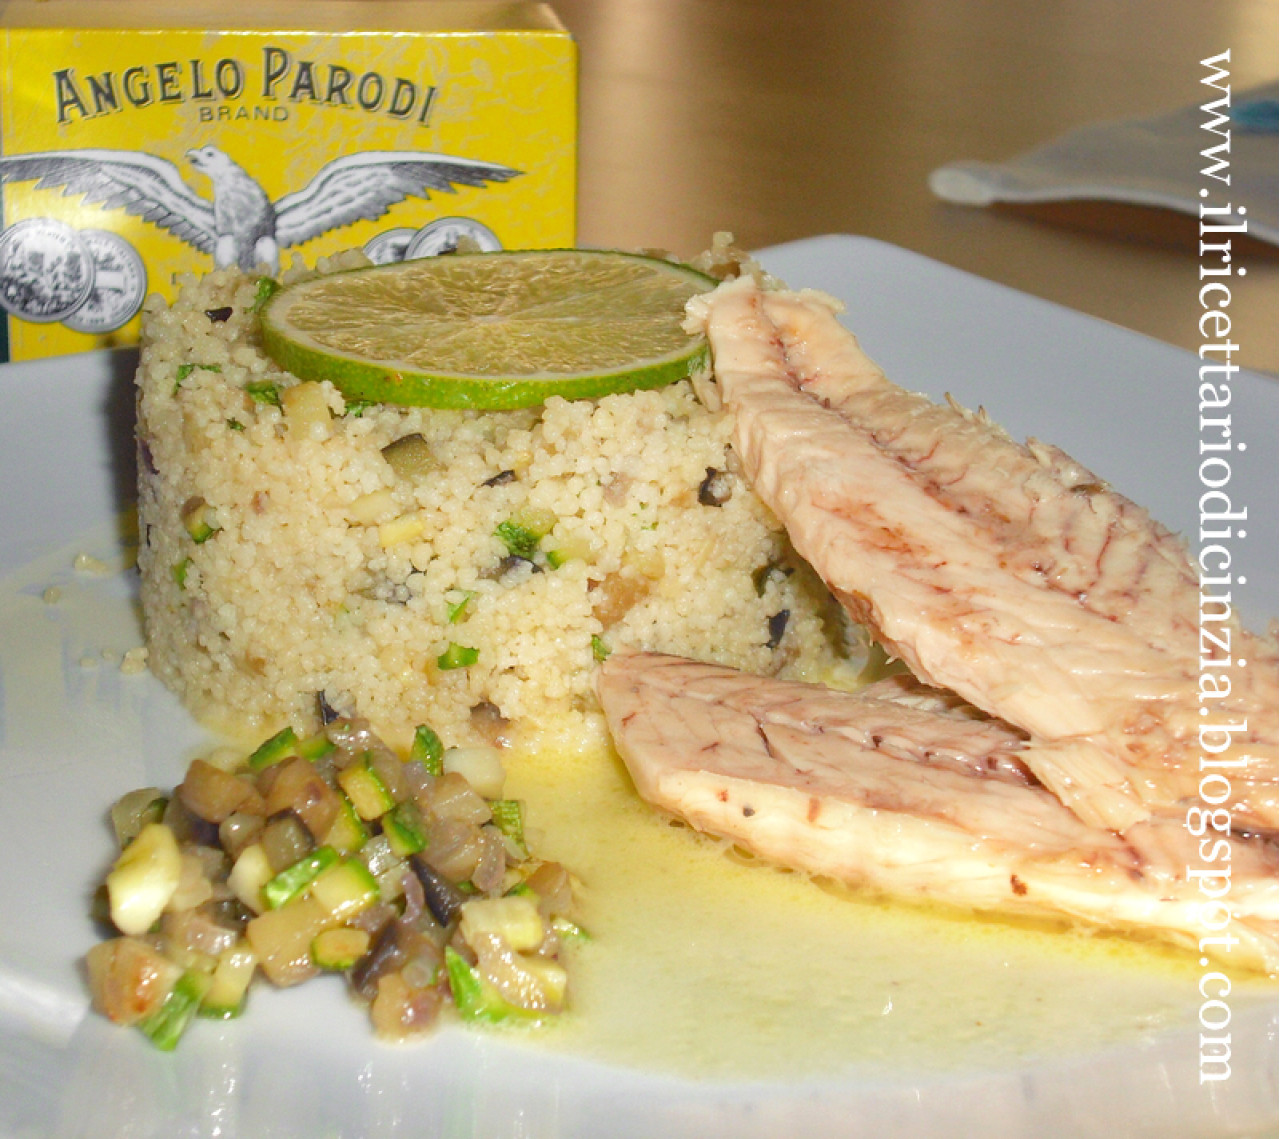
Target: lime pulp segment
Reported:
point(490, 330)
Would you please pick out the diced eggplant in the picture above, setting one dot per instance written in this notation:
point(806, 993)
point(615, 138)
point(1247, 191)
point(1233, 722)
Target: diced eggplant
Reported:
point(411, 457)
point(716, 488)
point(385, 955)
point(285, 839)
point(443, 898)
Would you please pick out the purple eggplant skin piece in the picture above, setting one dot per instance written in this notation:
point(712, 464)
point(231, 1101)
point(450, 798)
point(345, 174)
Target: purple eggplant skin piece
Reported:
point(443, 898)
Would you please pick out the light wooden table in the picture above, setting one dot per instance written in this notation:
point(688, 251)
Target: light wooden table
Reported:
point(781, 119)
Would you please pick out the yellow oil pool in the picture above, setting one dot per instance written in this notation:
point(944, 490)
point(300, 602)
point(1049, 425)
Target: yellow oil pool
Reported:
point(701, 964)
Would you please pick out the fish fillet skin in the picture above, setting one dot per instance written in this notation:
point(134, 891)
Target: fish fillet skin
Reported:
point(1005, 572)
point(864, 788)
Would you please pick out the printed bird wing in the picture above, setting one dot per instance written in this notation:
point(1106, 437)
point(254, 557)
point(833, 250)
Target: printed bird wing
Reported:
point(140, 184)
point(362, 187)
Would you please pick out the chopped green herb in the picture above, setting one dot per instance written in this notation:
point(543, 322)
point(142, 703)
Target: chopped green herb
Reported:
point(263, 391)
point(458, 656)
point(520, 540)
point(267, 288)
point(357, 407)
point(184, 370)
point(599, 649)
point(235, 425)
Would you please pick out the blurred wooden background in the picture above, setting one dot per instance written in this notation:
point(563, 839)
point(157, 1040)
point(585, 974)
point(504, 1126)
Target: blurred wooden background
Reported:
point(781, 119)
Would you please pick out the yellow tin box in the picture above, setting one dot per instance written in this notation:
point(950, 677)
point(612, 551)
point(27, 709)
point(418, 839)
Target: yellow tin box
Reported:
point(142, 140)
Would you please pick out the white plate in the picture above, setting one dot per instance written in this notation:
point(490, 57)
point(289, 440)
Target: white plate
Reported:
point(73, 737)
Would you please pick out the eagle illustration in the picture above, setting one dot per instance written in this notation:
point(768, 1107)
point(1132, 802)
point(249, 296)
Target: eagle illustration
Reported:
point(241, 225)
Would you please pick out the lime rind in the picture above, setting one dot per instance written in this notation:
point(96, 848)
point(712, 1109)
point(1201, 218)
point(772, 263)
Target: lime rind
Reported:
point(373, 383)
point(604, 322)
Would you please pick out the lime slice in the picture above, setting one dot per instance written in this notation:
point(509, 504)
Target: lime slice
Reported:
point(490, 330)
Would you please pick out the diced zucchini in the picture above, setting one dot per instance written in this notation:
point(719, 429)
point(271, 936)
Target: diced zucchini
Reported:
point(337, 950)
point(475, 998)
point(529, 522)
point(599, 650)
point(230, 982)
point(166, 1025)
point(199, 520)
point(278, 747)
point(292, 880)
point(457, 656)
point(411, 457)
point(144, 879)
point(456, 602)
point(404, 828)
point(572, 548)
point(346, 889)
point(180, 571)
point(348, 833)
point(251, 872)
point(366, 790)
point(508, 817)
point(427, 749)
point(316, 747)
point(568, 930)
point(514, 918)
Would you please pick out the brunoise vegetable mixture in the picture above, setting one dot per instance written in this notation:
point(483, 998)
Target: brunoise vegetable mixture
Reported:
point(332, 854)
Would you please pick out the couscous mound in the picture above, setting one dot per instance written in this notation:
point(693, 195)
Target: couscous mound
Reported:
point(301, 555)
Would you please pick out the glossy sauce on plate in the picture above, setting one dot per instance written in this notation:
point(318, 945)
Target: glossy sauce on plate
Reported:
point(702, 963)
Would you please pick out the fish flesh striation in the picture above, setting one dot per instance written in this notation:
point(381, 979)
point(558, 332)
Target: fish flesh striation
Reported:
point(1006, 573)
point(906, 791)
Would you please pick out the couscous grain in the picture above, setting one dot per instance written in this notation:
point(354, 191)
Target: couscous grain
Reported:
point(297, 551)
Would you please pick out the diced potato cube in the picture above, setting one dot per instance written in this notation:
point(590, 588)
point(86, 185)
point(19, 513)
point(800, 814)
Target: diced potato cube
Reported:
point(129, 979)
point(144, 879)
point(251, 872)
point(514, 918)
point(282, 939)
point(480, 766)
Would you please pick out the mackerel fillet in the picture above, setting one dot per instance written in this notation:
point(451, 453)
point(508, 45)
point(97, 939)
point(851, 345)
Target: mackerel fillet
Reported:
point(1006, 573)
point(907, 792)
